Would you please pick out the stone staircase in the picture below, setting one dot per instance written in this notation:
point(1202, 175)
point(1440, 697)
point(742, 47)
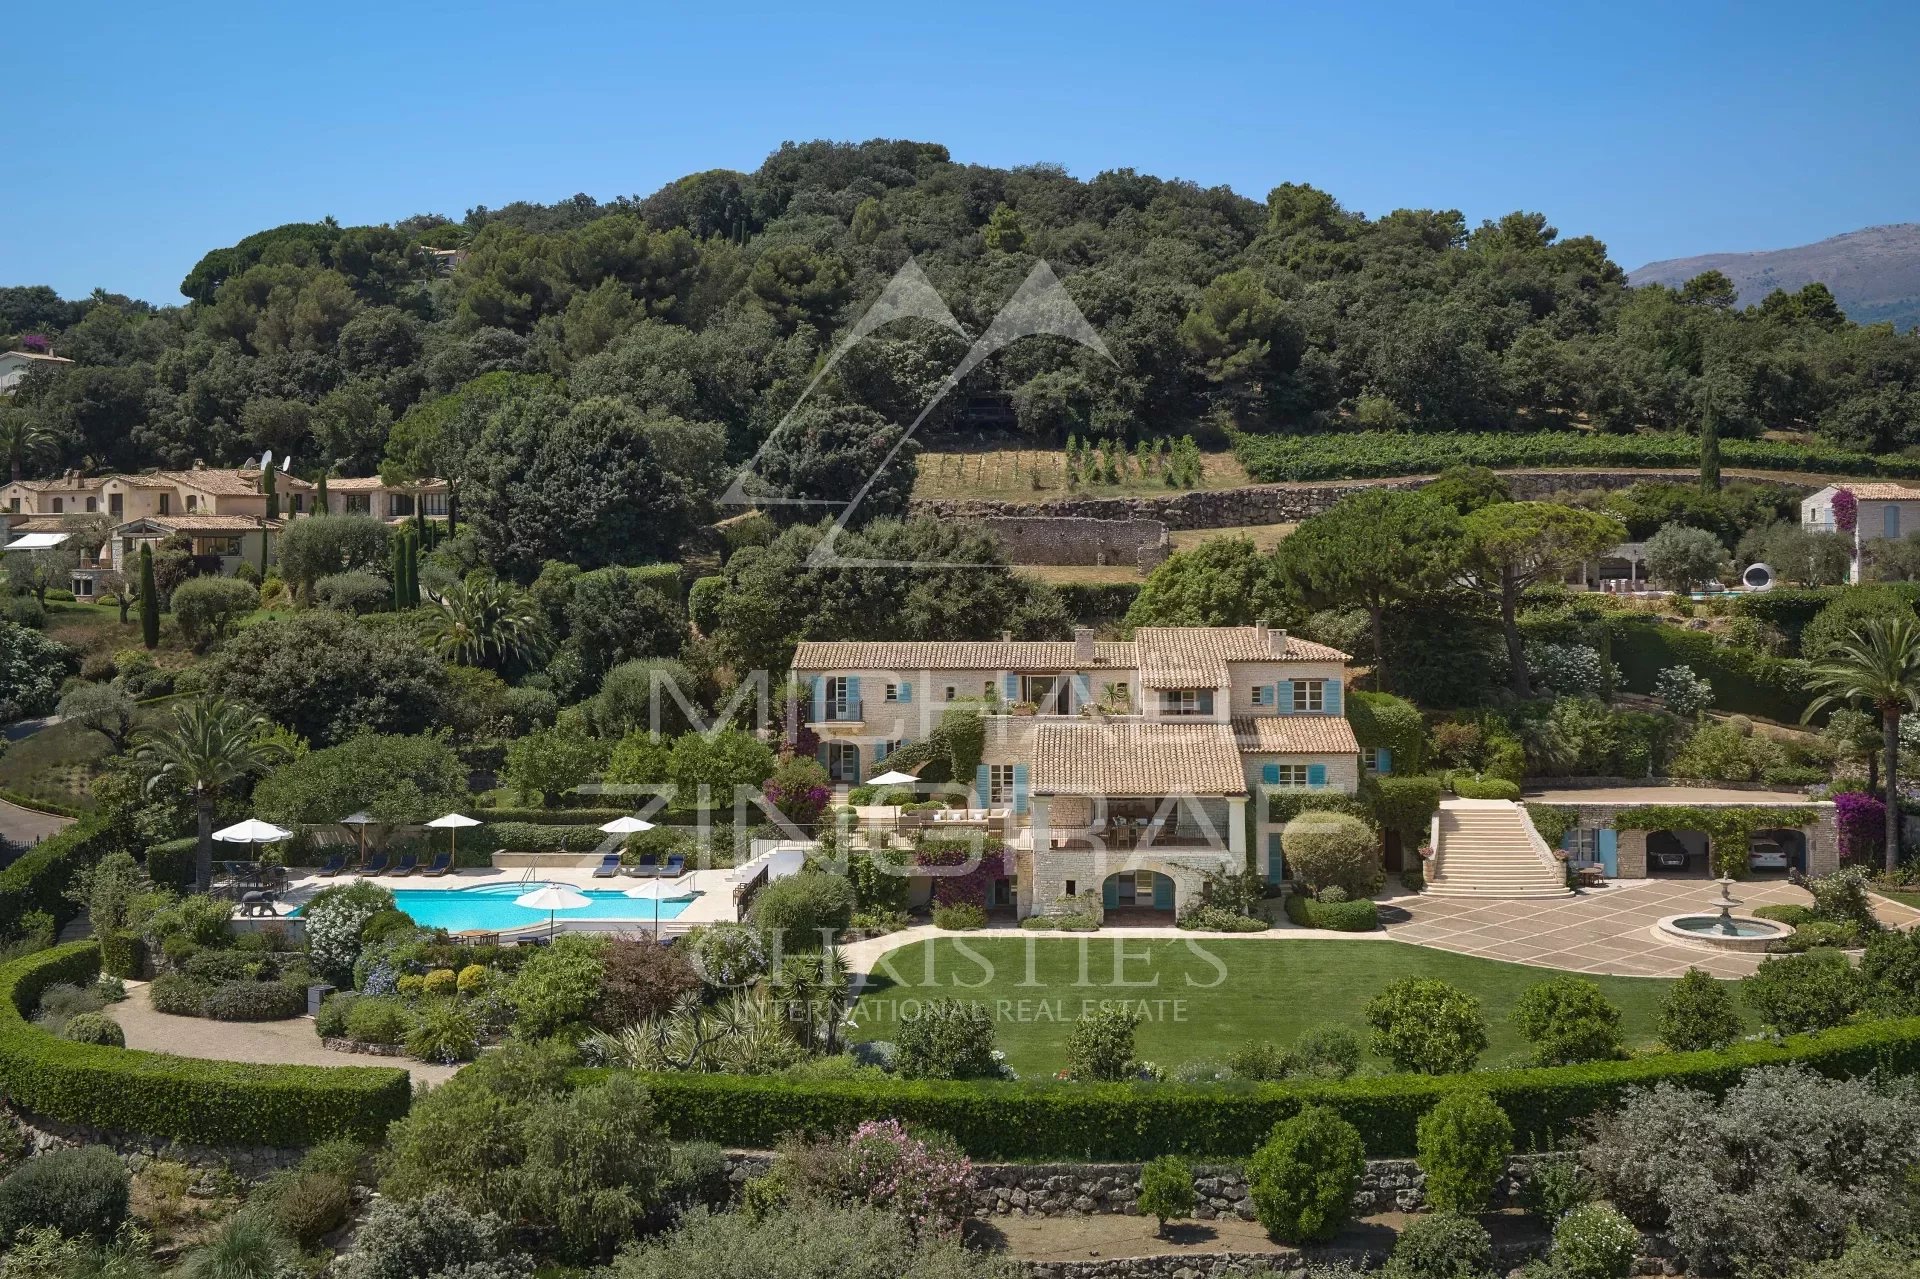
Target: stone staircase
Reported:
point(1488, 848)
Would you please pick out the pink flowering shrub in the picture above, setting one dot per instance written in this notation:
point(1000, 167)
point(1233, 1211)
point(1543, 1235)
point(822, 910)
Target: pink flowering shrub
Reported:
point(978, 868)
point(1861, 822)
point(799, 789)
point(1846, 510)
point(925, 1184)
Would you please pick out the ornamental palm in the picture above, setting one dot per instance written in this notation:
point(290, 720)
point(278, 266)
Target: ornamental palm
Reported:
point(212, 743)
point(22, 438)
point(1879, 665)
point(485, 621)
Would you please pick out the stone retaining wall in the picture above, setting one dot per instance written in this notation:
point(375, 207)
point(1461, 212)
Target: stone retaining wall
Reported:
point(1275, 503)
point(1234, 1265)
point(1072, 539)
point(247, 1162)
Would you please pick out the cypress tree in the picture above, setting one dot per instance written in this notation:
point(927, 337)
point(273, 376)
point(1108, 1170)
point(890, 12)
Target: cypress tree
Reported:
point(396, 569)
point(149, 599)
point(1710, 454)
point(320, 495)
point(272, 489)
point(413, 569)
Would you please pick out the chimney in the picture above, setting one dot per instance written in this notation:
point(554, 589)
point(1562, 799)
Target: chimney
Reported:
point(1277, 641)
point(1083, 646)
point(1006, 637)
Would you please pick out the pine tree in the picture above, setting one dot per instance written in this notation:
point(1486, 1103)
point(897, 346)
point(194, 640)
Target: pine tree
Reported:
point(149, 599)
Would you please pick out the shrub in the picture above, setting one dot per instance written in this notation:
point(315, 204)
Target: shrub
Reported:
point(1100, 1045)
point(1699, 1012)
point(1166, 1190)
point(1328, 849)
point(444, 1030)
point(254, 1001)
point(440, 983)
point(1337, 916)
point(1302, 1181)
point(247, 1245)
point(377, 1020)
point(1261, 1061)
point(193, 1100)
point(1682, 692)
point(959, 917)
point(949, 1039)
point(472, 979)
point(1555, 1187)
point(207, 607)
point(1327, 1052)
point(805, 910)
point(1567, 1019)
point(179, 994)
point(1890, 972)
point(1424, 1025)
point(640, 979)
point(557, 990)
point(333, 921)
point(1777, 1171)
point(1594, 1241)
point(726, 955)
point(80, 1192)
point(922, 1182)
point(94, 1028)
point(1442, 1245)
point(353, 593)
point(331, 1021)
point(1486, 788)
point(1792, 914)
point(432, 1235)
point(1464, 1145)
point(1843, 896)
point(1797, 993)
point(304, 1204)
point(811, 1241)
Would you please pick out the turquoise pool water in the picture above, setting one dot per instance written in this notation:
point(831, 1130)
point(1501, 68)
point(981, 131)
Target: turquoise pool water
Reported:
point(490, 907)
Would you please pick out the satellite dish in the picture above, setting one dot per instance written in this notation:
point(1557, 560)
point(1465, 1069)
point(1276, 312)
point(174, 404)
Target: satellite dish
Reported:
point(266, 459)
point(286, 465)
point(1758, 577)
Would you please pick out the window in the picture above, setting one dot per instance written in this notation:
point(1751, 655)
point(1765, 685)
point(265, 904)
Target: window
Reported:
point(434, 504)
point(989, 690)
point(359, 504)
point(219, 546)
point(843, 762)
point(999, 783)
point(1143, 882)
point(888, 748)
point(1582, 845)
point(399, 504)
point(93, 504)
point(193, 503)
point(1187, 701)
point(166, 501)
point(840, 704)
point(1370, 758)
point(1073, 887)
point(1263, 695)
point(1285, 774)
point(1309, 696)
point(83, 587)
point(13, 505)
point(56, 506)
point(953, 694)
point(892, 694)
point(116, 504)
point(299, 503)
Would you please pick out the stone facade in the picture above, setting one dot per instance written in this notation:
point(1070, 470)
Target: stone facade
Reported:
point(1057, 539)
point(1273, 503)
point(1823, 836)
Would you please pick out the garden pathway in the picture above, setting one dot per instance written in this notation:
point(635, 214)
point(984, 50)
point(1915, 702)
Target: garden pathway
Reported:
point(278, 1043)
point(28, 826)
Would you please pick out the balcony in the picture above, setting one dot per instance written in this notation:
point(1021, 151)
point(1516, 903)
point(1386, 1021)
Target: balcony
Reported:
point(843, 711)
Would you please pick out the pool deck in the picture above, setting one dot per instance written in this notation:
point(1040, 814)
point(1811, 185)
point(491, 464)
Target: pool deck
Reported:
point(713, 905)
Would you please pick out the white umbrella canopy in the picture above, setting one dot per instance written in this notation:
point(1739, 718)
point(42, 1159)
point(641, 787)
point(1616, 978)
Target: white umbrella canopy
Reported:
point(658, 891)
point(626, 826)
point(452, 823)
point(252, 831)
point(892, 777)
point(551, 898)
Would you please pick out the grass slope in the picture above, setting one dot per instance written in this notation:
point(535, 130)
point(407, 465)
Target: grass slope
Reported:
point(1202, 998)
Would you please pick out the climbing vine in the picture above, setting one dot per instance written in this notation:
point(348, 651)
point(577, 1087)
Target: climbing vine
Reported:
point(1729, 830)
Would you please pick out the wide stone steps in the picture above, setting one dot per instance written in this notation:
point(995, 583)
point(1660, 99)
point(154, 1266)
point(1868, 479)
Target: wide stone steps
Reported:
point(1485, 849)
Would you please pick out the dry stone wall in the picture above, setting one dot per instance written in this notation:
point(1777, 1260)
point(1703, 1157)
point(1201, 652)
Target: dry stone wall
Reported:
point(1074, 539)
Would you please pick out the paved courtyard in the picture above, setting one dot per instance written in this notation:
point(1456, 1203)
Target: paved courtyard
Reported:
point(1606, 930)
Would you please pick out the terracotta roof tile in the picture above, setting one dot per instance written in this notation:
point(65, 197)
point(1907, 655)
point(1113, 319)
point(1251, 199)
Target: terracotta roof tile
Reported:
point(955, 655)
point(1881, 491)
point(1296, 735)
point(1135, 757)
point(1197, 656)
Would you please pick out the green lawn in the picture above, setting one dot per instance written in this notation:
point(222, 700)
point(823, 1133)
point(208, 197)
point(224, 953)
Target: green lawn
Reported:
point(1201, 998)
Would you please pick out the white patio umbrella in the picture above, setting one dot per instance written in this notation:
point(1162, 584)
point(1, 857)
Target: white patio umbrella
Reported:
point(451, 823)
point(657, 891)
point(359, 821)
point(892, 777)
point(250, 832)
point(552, 898)
point(626, 826)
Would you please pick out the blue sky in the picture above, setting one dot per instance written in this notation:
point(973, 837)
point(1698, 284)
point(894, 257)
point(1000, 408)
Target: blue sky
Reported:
point(141, 138)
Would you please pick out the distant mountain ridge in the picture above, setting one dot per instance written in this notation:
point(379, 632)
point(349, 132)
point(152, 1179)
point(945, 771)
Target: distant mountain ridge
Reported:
point(1874, 272)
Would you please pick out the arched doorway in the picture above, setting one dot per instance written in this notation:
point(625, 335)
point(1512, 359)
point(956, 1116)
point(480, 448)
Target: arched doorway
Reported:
point(1777, 850)
point(1681, 853)
point(1137, 890)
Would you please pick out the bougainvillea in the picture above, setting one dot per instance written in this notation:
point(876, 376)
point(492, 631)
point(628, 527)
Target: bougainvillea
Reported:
point(966, 871)
point(1861, 821)
point(1846, 510)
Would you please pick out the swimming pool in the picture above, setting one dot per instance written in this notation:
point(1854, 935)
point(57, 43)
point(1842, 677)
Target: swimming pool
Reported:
point(490, 907)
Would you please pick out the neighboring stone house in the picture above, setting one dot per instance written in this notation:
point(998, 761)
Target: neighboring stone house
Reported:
point(372, 495)
point(1882, 509)
point(15, 365)
point(1133, 769)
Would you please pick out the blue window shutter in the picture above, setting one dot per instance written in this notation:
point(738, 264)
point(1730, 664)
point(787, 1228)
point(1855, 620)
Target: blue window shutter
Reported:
point(1383, 761)
point(1013, 687)
point(855, 748)
point(906, 693)
point(1283, 701)
point(1110, 892)
point(1276, 859)
point(1082, 690)
point(1162, 893)
point(1893, 521)
point(1020, 789)
point(853, 694)
point(879, 750)
point(819, 698)
point(1332, 701)
point(981, 786)
point(1606, 844)
point(1316, 774)
point(1270, 774)
point(1206, 701)
point(821, 754)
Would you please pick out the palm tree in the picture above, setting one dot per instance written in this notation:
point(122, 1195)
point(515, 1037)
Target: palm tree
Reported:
point(22, 438)
point(485, 621)
point(212, 743)
point(1878, 665)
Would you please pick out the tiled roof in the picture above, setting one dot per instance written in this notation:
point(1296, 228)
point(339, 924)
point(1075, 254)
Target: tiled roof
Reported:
point(358, 484)
point(38, 355)
point(1296, 735)
point(1196, 656)
point(1135, 757)
point(1881, 491)
point(197, 523)
point(955, 655)
point(221, 481)
point(42, 524)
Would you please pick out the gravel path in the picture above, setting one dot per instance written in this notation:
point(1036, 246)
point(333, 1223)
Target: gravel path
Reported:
point(282, 1043)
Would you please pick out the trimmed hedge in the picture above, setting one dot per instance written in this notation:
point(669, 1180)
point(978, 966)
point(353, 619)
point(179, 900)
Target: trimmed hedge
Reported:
point(1369, 454)
point(1135, 1122)
point(1356, 916)
point(215, 1103)
point(1485, 788)
point(38, 879)
point(1744, 682)
point(171, 862)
